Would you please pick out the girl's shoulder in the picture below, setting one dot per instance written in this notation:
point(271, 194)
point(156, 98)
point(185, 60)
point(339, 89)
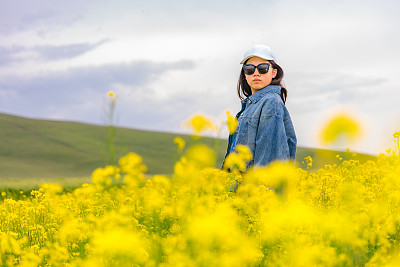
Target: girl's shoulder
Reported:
point(272, 104)
point(272, 98)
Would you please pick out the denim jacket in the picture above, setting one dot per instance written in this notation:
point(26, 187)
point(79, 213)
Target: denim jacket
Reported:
point(265, 127)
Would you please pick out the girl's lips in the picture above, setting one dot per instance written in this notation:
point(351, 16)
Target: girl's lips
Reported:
point(256, 80)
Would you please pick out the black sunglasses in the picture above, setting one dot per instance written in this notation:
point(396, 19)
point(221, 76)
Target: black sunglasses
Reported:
point(249, 69)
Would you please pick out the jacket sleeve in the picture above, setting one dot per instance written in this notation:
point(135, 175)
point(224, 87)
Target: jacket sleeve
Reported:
point(271, 139)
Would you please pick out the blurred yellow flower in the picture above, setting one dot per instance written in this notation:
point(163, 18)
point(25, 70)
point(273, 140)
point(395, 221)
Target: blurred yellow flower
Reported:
point(180, 143)
point(216, 230)
point(8, 244)
point(234, 162)
point(237, 161)
point(280, 176)
point(118, 244)
point(340, 127)
point(161, 182)
point(132, 163)
point(52, 188)
point(309, 161)
point(232, 122)
point(99, 176)
point(111, 94)
point(201, 156)
point(244, 152)
point(200, 123)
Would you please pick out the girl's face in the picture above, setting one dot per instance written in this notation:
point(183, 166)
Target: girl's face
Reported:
point(256, 80)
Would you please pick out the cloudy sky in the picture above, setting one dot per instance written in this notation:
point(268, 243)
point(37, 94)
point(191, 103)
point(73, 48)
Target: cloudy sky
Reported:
point(167, 60)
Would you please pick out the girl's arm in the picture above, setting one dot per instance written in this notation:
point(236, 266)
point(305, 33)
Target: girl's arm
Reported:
point(275, 138)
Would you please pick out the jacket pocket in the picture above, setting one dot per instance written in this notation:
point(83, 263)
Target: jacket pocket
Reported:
point(248, 132)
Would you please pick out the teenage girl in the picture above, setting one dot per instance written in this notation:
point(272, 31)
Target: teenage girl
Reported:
point(264, 121)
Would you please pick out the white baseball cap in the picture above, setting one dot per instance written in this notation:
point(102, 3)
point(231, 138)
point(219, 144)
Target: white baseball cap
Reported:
point(259, 50)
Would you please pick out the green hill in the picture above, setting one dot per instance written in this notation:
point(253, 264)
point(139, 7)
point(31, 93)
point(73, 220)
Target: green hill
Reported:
point(43, 148)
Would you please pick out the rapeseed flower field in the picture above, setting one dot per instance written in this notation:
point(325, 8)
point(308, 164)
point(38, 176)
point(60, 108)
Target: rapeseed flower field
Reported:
point(345, 214)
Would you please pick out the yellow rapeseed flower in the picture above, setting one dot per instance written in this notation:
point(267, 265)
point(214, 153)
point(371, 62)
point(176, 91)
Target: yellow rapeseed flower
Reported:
point(8, 244)
point(340, 127)
point(201, 155)
point(309, 162)
point(279, 176)
point(100, 176)
point(180, 143)
point(234, 161)
point(200, 123)
point(52, 188)
point(112, 97)
point(111, 94)
point(219, 230)
point(244, 152)
point(232, 122)
point(161, 182)
point(118, 245)
point(237, 161)
point(132, 163)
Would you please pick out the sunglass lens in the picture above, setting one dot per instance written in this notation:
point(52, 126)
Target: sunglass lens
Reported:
point(249, 69)
point(263, 68)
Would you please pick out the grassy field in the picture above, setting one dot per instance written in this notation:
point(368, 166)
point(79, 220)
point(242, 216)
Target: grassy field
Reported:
point(39, 149)
point(42, 148)
point(15, 186)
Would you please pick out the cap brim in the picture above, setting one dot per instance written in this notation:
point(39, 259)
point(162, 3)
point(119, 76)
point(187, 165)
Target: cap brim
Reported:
point(246, 58)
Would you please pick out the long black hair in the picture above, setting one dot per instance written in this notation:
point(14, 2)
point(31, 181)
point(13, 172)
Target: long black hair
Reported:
point(244, 90)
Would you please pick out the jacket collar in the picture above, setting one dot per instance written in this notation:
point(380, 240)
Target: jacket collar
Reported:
point(261, 93)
